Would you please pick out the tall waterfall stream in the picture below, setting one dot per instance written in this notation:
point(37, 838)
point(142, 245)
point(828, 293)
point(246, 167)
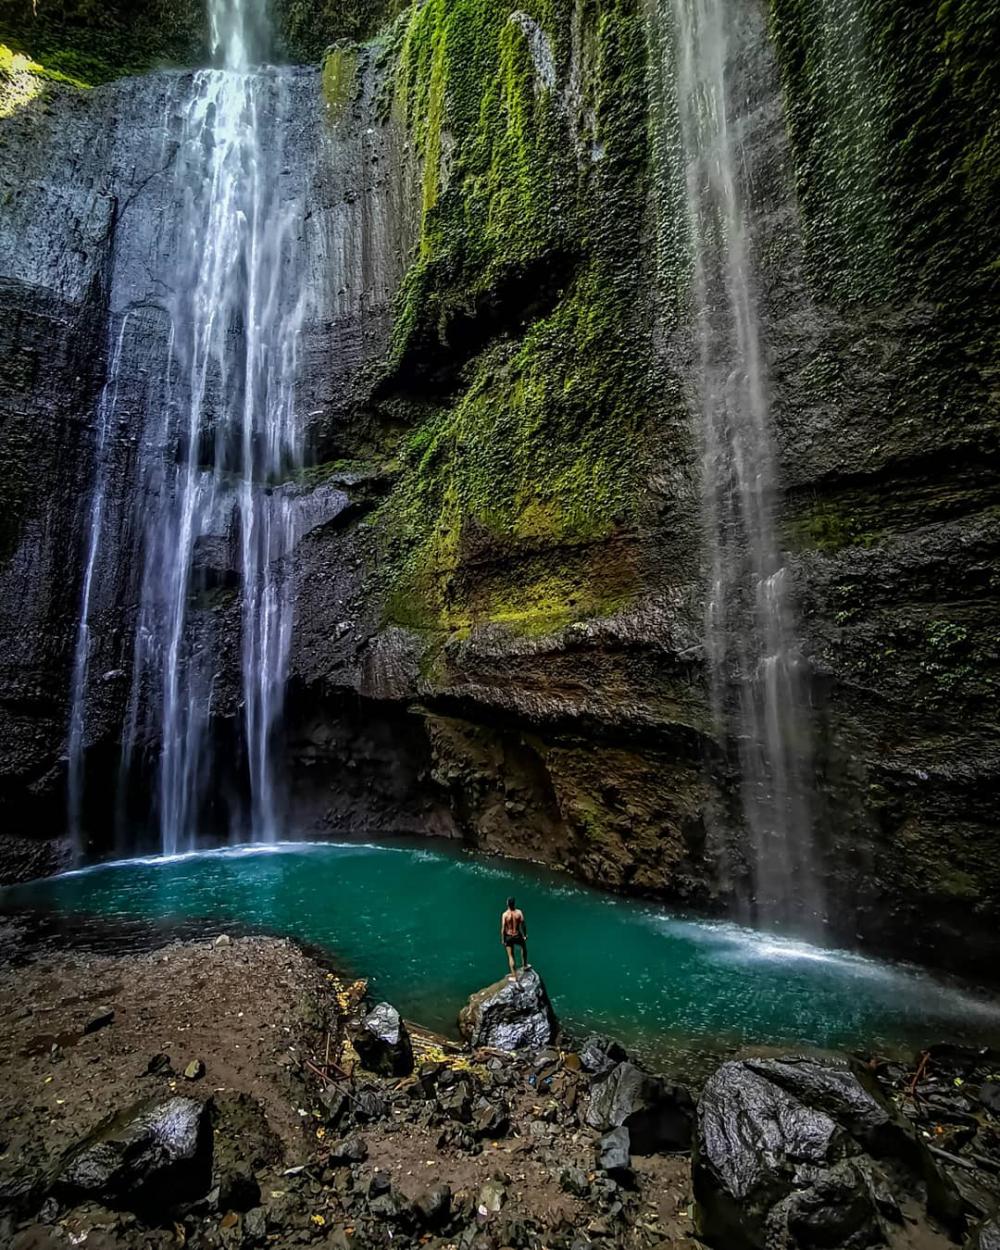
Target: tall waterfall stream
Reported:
point(225, 438)
point(759, 692)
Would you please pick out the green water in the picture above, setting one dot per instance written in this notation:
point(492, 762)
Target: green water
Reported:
point(423, 925)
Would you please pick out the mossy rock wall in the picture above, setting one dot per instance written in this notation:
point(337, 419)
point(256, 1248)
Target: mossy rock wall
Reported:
point(97, 40)
point(523, 346)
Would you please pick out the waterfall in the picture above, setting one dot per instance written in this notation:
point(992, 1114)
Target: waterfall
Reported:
point(758, 684)
point(106, 410)
point(214, 522)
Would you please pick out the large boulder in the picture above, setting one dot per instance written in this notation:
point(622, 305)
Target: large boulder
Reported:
point(383, 1043)
point(510, 1014)
point(658, 1115)
point(154, 1158)
point(798, 1152)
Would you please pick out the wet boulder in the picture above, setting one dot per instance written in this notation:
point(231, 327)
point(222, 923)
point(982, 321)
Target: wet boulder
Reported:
point(510, 1014)
point(614, 1155)
point(154, 1158)
point(383, 1043)
point(658, 1115)
point(986, 1236)
point(797, 1152)
point(598, 1054)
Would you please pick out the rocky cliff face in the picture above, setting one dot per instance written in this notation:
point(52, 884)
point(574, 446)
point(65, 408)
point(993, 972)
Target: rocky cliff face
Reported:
point(499, 631)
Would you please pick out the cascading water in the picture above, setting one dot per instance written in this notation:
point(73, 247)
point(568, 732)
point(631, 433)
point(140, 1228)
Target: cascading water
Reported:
point(106, 410)
point(759, 691)
point(211, 513)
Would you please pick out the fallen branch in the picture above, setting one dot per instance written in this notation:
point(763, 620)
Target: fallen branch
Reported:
point(921, 1069)
point(325, 1076)
point(959, 1160)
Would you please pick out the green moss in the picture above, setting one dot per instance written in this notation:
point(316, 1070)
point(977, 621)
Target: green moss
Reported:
point(306, 28)
point(339, 80)
point(829, 529)
point(528, 269)
point(891, 112)
point(93, 41)
point(316, 474)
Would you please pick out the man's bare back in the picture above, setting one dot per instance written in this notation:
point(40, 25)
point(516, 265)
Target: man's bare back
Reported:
point(514, 932)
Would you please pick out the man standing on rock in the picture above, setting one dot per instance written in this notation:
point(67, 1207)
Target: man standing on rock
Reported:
point(514, 932)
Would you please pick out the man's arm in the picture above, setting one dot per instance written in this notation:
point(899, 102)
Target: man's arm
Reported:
point(523, 924)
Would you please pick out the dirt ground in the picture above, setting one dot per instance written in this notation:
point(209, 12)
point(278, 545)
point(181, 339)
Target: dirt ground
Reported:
point(86, 1035)
point(238, 1008)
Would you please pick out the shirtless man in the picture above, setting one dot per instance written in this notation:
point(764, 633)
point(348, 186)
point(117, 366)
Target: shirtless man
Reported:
point(514, 932)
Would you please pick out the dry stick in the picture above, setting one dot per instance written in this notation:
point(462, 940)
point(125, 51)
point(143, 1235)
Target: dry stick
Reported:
point(921, 1067)
point(325, 1076)
point(973, 1161)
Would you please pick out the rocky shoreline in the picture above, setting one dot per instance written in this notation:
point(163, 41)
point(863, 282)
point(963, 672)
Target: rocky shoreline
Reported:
point(234, 1092)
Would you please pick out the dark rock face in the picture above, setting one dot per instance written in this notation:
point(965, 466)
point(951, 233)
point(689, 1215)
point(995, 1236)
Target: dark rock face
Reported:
point(798, 1152)
point(657, 1115)
point(510, 1015)
point(153, 1158)
point(383, 1043)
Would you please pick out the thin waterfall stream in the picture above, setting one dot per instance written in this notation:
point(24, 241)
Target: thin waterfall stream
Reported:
point(758, 687)
point(212, 515)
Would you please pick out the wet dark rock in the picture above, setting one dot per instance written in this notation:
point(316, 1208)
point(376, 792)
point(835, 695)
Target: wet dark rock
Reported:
point(574, 1181)
point(614, 1154)
point(159, 1065)
point(490, 1121)
point(600, 1054)
point(383, 1043)
point(368, 1105)
point(789, 1152)
point(390, 1206)
point(985, 1236)
point(457, 1137)
point(510, 1015)
point(657, 1115)
point(433, 1206)
point(456, 1102)
point(255, 1226)
point(155, 1157)
point(336, 1104)
point(989, 1096)
point(380, 1183)
point(352, 1149)
point(101, 1020)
